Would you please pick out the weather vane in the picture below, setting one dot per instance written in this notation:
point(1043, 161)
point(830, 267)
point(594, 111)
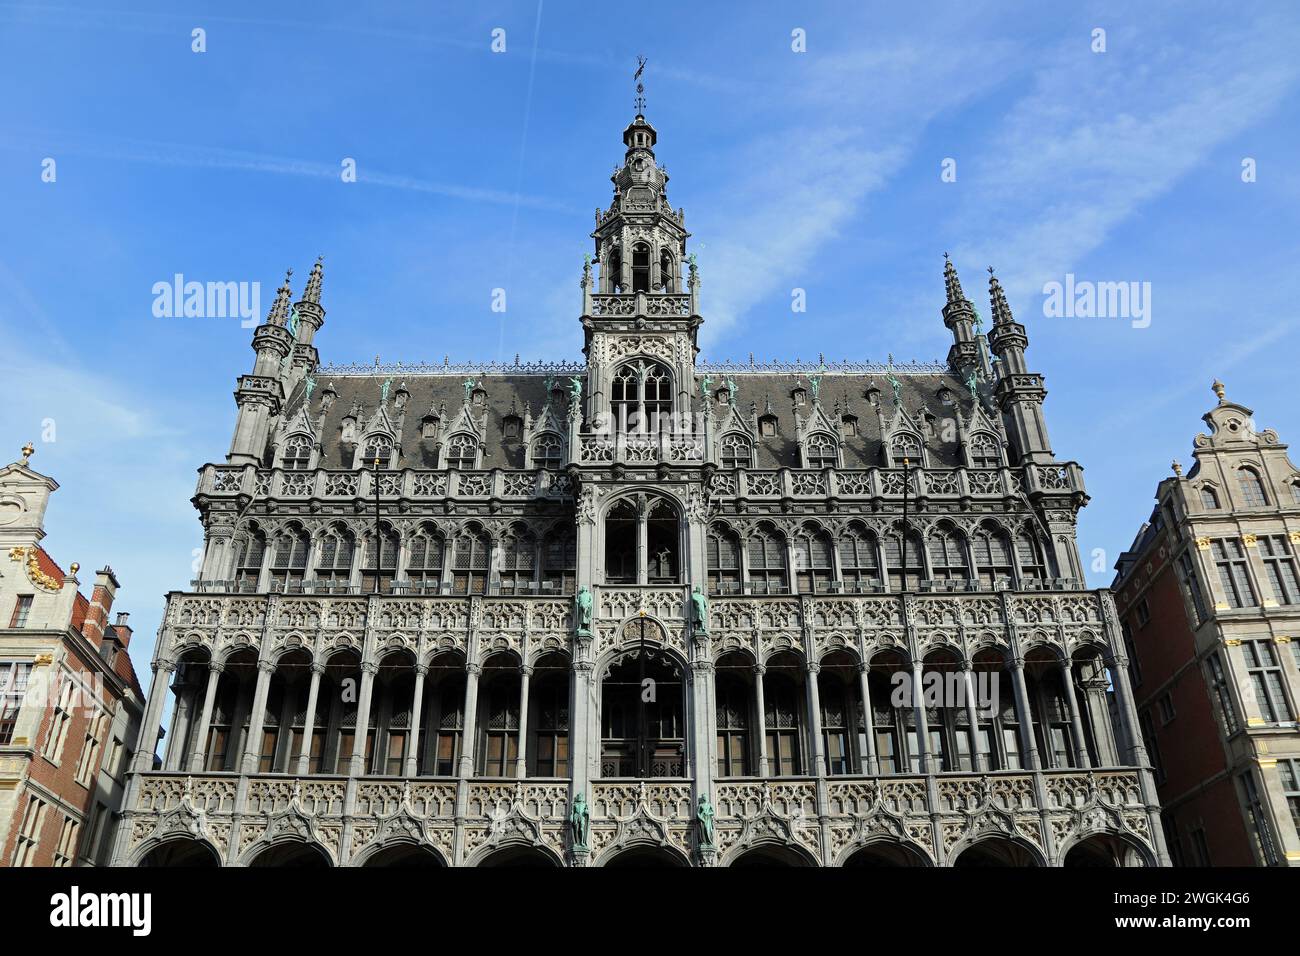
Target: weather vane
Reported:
point(640, 88)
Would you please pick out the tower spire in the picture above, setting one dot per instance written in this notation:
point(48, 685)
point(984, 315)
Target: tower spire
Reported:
point(640, 87)
point(959, 317)
point(998, 302)
point(1019, 392)
point(279, 314)
point(312, 292)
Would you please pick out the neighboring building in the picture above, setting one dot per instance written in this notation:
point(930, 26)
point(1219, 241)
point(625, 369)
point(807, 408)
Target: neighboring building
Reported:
point(1209, 597)
point(70, 706)
point(442, 681)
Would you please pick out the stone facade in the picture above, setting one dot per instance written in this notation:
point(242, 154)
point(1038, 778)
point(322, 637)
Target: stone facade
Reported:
point(1209, 596)
point(642, 609)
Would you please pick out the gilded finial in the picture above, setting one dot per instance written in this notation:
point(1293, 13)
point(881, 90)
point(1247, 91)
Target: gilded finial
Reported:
point(1218, 389)
point(1178, 469)
point(74, 567)
point(28, 451)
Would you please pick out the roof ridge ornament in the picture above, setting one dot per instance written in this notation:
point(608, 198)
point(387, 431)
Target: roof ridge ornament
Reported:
point(640, 87)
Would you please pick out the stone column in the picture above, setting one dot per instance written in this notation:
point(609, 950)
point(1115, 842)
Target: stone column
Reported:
point(521, 760)
point(182, 721)
point(469, 733)
point(759, 671)
point(253, 743)
point(1103, 735)
point(357, 763)
point(868, 719)
point(152, 723)
point(199, 758)
point(703, 725)
point(642, 543)
point(580, 757)
point(979, 756)
point(924, 757)
point(815, 720)
point(303, 759)
point(411, 764)
point(1025, 715)
point(1076, 726)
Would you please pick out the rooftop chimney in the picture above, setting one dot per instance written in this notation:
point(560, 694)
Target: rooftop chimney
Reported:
point(101, 602)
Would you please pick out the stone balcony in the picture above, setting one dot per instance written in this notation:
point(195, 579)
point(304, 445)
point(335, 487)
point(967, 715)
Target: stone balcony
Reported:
point(814, 821)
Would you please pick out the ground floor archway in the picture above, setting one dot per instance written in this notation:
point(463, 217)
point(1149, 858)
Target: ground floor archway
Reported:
point(181, 852)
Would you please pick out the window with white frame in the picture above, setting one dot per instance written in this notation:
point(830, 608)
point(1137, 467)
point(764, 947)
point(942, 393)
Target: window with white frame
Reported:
point(1222, 695)
point(22, 610)
point(1230, 560)
point(1266, 679)
point(13, 688)
point(1289, 771)
point(1279, 567)
point(87, 762)
point(33, 822)
point(61, 720)
point(66, 851)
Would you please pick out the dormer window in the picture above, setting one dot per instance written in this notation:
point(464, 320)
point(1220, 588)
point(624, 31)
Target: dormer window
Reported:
point(723, 396)
point(512, 427)
point(737, 451)
point(945, 396)
point(378, 452)
point(906, 447)
point(462, 452)
point(799, 396)
point(546, 451)
point(1295, 492)
point(767, 426)
point(984, 452)
point(822, 452)
point(297, 453)
point(429, 426)
point(849, 424)
point(478, 397)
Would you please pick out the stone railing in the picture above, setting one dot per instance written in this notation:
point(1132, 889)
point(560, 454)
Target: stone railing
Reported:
point(891, 483)
point(934, 818)
point(649, 304)
point(405, 485)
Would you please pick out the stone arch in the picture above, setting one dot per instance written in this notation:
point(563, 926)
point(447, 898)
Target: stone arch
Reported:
point(885, 852)
point(769, 852)
point(643, 853)
point(403, 853)
point(515, 853)
point(995, 850)
point(177, 851)
point(292, 851)
point(1105, 848)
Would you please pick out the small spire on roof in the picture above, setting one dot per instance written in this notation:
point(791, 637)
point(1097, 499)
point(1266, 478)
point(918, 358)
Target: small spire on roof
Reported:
point(312, 292)
point(998, 301)
point(1218, 390)
point(28, 450)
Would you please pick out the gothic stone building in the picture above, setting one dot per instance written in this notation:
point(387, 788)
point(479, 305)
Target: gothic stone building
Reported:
point(1209, 599)
point(557, 614)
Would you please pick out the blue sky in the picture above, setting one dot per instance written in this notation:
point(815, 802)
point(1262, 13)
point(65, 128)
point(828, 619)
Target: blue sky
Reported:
point(477, 170)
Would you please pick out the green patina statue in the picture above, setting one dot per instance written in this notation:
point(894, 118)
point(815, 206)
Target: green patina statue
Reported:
point(704, 815)
point(580, 820)
point(731, 391)
point(468, 385)
point(575, 389)
point(383, 389)
point(583, 603)
point(706, 383)
point(700, 609)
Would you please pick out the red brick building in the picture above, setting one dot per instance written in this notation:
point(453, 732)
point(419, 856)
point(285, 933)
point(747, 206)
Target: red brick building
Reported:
point(1209, 599)
point(70, 704)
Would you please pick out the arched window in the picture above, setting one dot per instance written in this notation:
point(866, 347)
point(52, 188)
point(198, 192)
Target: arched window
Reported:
point(499, 747)
point(611, 274)
point(984, 451)
point(462, 452)
point(813, 560)
point(822, 452)
point(560, 562)
point(783, 720)
point(724, 560)
point(993, 562)
point(248, 560)
point(620, 543)
point(841, 714)
point(379, 567)
point(904, 575)
point(469, 562)
point(424, 563)
point(297, 453)
point(737, 451)
point(1252, 489)
point(663, 541)
point(766, 553)
point(549, 721)
point(640, 267)
point(906, 448)
point(334, 569)
point(446, 716)
point(1209, 499)
point(859, 560)
point(377, 447)
point(640, 737)
point(518, 560)
point(948, 555)
point(732, 692)
point(1030, 553)
point(667, 273)
point(641, 397)
point(289, 565)
point(1051, 714)
point(546, 451)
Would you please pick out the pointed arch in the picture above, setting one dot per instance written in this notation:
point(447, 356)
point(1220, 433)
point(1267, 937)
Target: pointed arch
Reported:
point(518, 560)
point(723, 559)
point(859, 554)
point(994, 564)
point(289, 560)
point(297, 452)
point(983, 450)
point(425, 558)
point(814, 559)
point(821, 450)
point(470, 560)
point(379, 559)
point(461, 452)
point(546, 451)
point(766, 563)
point(250, 554)
point(378, 446)
point(949, 561)
point(735, 450)
point(334, 561)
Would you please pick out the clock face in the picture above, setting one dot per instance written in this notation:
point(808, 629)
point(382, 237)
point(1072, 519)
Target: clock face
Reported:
point(11, 509)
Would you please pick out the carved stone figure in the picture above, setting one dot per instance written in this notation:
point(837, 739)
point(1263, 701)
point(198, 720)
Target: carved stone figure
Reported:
point(700, 611)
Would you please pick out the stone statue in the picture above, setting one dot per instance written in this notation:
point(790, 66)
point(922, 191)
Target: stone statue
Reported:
point(704, 815)
point(731, 391)
point(706, 383)
point(311, 387)
point(580, 819)
point(815, 383)
point(575, 389)
point(583, 603)
point(468, 385)
point(897, 386)
point(700, 608)
point(971, 381)
point(383, 390)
